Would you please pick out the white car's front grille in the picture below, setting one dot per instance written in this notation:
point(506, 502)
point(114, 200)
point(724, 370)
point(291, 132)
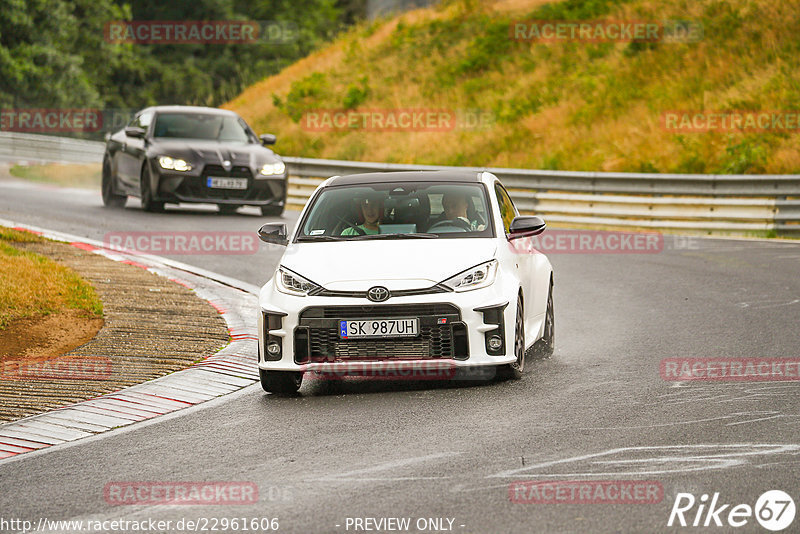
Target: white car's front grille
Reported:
point(442, 334)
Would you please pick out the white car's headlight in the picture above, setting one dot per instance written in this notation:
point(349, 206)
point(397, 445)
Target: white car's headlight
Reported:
point(292, 283)
point(271, 169)
point(482, 275)
point(173, 164)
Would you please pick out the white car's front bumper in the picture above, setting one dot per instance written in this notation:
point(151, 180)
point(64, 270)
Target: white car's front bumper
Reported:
point(284, 312)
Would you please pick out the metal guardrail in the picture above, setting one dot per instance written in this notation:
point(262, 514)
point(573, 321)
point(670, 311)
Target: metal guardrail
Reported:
point(696, 202)
point(690, 202)
point(32, 148)
point(589, 182)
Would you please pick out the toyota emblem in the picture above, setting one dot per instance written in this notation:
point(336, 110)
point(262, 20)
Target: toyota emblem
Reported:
point(378, 294)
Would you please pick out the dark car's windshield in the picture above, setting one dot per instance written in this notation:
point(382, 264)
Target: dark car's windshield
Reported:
point(395, 210)
point(201, 126)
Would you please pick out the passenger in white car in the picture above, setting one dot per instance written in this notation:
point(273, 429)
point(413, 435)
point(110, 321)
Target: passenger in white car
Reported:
point(372, 213)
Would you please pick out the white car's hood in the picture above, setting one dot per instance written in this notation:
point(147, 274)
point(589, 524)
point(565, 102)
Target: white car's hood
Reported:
point(396, 264)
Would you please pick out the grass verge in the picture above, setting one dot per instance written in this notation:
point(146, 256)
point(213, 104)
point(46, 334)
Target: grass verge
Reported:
point(32, 285)
point(66, 175)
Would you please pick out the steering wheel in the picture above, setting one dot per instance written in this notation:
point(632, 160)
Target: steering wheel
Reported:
point(480, 221)
point(358, 230)
point(461, 224)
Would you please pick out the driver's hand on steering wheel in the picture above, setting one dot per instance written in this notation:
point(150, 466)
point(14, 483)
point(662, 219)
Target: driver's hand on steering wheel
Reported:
point(456, 223)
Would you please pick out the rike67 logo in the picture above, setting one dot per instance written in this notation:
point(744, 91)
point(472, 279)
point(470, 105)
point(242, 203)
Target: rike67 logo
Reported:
point(774, 510)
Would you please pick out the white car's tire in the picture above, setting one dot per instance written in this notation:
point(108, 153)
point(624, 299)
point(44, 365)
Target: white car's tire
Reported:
point(516, 369)
point(544, 347)
point(283, 383)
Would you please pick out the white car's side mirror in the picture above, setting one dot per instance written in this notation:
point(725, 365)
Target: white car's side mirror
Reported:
point(273, 233)
point(526, 226)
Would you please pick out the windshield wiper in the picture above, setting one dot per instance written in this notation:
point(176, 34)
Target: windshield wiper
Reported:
point(419, 235)
point(319, 238)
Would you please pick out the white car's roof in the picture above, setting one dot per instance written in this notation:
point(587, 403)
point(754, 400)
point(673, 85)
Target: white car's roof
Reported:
point(405, 176)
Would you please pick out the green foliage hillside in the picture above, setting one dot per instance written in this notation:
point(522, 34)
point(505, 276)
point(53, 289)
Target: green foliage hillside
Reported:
point(574, 105)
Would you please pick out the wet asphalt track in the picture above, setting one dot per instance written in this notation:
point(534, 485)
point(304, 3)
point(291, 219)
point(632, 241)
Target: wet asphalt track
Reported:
point(598, 410)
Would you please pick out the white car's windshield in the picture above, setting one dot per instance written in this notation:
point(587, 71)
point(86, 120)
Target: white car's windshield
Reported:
point(395, 210)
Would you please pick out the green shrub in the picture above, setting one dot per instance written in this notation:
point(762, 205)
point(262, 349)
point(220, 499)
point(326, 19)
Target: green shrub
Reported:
point(489, 48)
point(575, 9)
point(747, 156)
point(304, 95)
point(356, 94)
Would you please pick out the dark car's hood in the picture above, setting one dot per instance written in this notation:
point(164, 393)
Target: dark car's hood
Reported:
point(197, 151)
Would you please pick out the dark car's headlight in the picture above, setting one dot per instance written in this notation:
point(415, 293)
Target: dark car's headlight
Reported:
point(477, 277)
point(292, 283)
point(174, 164)
point(272, 169)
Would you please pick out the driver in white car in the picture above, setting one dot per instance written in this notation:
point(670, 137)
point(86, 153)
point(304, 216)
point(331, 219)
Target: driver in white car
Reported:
point(455, 206)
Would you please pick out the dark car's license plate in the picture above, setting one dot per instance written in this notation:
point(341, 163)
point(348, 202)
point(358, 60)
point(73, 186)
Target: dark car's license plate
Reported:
point(398, 327)
point(226, 183)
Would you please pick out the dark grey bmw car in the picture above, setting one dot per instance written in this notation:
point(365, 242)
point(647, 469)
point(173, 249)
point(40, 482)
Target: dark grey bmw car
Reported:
point(173, 154)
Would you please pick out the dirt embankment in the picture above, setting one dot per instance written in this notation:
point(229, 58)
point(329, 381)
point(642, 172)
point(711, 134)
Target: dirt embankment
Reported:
point(151, 327)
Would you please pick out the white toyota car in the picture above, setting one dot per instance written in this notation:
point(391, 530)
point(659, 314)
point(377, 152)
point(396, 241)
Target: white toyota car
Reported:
point(405, 270)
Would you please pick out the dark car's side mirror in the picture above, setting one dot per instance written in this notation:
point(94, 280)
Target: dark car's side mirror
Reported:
point(273, 233)
point(134, 131)
point(526, 226)
point(268, 139)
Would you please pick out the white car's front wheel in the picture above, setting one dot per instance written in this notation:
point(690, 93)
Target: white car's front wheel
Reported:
point(282, 383)
point(544, 347)
point(515, 370)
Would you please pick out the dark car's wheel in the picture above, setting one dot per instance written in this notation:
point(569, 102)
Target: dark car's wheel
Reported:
point(110, 198)
point(148, 204)
point(282, 383)
point(544, 347)
point(227, 209)
point(271, 211)
point(515, 370)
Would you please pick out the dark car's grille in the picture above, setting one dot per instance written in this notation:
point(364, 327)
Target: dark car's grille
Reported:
point(235, 172)
point(442, 334)
point(196, 187)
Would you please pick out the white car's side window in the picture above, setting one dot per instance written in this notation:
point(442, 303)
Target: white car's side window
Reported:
point(507, 209)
